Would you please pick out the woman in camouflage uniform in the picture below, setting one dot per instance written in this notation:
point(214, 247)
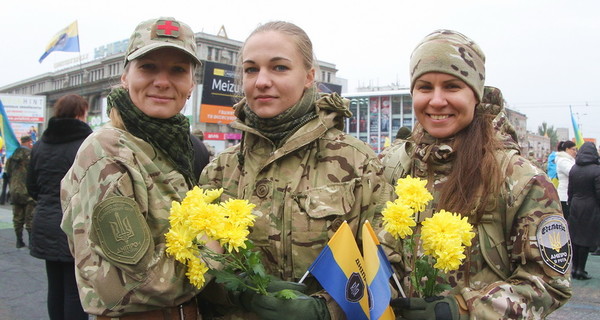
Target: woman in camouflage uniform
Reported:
point(517, 267)
point(303, 173)
point(116, 197)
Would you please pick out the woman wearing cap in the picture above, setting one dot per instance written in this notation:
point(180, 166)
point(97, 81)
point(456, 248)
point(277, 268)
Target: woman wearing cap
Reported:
point(464, 146)
point(303, 173)
point(117, 195)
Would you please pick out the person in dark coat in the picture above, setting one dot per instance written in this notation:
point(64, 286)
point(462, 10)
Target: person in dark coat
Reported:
point(51, 158)
point(584, 197)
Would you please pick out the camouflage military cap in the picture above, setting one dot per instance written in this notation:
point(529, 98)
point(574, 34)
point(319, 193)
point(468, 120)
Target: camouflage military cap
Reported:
point(163, 32)
point(449, 52)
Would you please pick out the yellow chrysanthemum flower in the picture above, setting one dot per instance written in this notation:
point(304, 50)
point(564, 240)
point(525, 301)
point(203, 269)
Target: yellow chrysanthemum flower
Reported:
point(196, 218)
point(413, 192)
point(398, 219)
point(196, 271)
point(444, 236)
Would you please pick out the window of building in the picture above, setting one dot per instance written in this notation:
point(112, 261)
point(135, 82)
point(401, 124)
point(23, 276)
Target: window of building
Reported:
point(114, 69)
point(96, 74)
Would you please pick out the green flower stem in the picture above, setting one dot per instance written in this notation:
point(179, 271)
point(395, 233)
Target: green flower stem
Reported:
point(238, 263)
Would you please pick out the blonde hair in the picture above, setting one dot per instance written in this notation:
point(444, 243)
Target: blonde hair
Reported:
point(303, 43)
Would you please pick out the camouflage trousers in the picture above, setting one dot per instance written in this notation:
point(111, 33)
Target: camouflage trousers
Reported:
point(23, 216)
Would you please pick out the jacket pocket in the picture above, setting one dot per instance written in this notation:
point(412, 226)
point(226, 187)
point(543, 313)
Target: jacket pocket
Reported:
point(320, 212)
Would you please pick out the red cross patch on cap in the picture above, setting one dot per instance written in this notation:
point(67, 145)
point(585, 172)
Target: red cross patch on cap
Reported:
point(167, 28)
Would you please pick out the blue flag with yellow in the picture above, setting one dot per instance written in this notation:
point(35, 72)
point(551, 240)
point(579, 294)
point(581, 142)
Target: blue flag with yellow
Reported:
point(379, 271)
point(578, 136)
point(66, 39)
point(8, 137)
point(339, 268)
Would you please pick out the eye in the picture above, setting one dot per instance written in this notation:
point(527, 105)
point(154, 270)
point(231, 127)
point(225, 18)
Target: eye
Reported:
point(281, 68)
point(424, 87)
point(454, 85)
point(250, 70)
point(180, 69)
point(147, 66)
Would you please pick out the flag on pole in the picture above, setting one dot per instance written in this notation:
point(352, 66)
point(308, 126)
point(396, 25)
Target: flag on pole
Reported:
point(339, 268)
point(578, 136)
point(379, 271)
point(66, 39)
point(7, 135)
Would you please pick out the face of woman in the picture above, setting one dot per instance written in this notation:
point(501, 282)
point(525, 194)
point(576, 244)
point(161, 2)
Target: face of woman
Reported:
point(572, 151)
point(443, 104)
point(274, 76)
point(160, 82)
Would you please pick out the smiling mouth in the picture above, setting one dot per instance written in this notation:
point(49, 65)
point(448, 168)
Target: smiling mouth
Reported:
point(439, 116)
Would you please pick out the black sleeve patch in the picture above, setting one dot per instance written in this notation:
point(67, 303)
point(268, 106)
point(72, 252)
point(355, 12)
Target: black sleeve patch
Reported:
point(554, 243)
point(121, 230)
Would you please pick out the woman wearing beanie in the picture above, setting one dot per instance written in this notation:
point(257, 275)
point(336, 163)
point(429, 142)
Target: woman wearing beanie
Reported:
point(565, 160)
point(584, 198)
point(117, 195)
point(464, 146)
point(296, 164)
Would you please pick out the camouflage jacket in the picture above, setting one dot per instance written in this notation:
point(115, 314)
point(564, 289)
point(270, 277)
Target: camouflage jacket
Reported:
point(16, 168)
point(518, 266)
point(303, 191)
point(116, 199)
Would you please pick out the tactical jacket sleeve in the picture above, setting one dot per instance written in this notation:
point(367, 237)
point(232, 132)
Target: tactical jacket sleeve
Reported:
point(539, 249)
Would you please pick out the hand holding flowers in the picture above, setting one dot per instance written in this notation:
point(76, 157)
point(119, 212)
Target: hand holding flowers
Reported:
point(197, 219)
point(443, 237)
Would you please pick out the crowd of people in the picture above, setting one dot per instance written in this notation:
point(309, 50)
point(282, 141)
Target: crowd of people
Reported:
point(102, 199)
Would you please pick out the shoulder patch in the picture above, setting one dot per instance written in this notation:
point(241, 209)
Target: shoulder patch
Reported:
point(554, 243)
point(121, 230)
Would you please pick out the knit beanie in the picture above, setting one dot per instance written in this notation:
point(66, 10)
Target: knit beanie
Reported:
point(450, 52)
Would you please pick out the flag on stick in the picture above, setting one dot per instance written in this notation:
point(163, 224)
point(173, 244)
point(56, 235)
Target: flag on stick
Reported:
point(339, 268)
point(8, 136)
point(66, 39)
point(379, 271)
point(578, 136)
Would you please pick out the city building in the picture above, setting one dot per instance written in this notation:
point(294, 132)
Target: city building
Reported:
point(92, 75)
point(377, 115)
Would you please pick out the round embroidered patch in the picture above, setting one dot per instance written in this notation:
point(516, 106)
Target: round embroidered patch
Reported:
point(554, 243)
point(121, 230)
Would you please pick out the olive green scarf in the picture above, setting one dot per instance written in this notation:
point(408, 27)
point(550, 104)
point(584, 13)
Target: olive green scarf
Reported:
point(282, 126)
point(171, 136)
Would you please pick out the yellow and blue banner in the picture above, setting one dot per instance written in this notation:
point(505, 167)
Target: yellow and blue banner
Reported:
point(578, 136)
point(378, 270)
point(7, 134)
point(339, 268)
point(66, 39)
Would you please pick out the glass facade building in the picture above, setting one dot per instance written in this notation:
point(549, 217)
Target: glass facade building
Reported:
point(377, 115)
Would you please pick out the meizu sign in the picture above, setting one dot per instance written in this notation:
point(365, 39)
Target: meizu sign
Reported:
point(218, 93)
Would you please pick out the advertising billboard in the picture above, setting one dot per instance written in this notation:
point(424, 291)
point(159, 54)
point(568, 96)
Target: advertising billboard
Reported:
point(218, 93)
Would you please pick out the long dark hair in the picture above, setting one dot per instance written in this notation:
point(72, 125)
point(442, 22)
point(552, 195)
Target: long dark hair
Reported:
point(476, 173)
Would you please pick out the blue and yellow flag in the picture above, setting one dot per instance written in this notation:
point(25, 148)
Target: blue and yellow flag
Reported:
point(339, 268)
point(379, 271)
point(66, 39)
point(7, 134)
point(578, 136)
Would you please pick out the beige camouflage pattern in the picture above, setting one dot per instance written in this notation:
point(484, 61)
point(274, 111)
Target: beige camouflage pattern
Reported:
point(303, 192)
point(520, 286)
point(450, 52)
point(160, 33)
point(112, 164)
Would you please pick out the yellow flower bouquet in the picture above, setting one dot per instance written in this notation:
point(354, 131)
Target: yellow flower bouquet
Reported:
point(199, 218)
point(443, 237)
